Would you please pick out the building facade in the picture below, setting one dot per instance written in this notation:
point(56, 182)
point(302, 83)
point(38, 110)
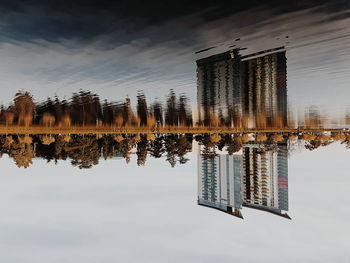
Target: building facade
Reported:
point(256, 178)
point(265, 178)
point(220, 183)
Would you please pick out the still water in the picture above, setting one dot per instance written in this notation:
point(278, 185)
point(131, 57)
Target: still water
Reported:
point(216, 132)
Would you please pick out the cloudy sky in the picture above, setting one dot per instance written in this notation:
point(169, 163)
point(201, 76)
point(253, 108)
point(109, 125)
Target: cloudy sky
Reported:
point(117, 212)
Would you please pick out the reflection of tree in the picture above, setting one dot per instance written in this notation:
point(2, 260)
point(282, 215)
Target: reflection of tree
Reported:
point(47, 107)
point(24, 108)
point(142, 108)
point(185, 116)
point(171, 112)
point(86, 108)
point(7, 116)
point(108, 112)
point(48, 119)
point(157, 112)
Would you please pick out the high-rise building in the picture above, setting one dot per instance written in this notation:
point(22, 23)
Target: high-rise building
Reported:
point(265, 178)
point(220, 183)
point(257, 178)
point(282, 169)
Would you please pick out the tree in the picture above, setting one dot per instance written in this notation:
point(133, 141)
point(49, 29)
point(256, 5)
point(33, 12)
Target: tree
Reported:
point(184, 146)
point(84, 151)
point(22, 152)
point(142, 151)
point(235, 145)
point(125, 147)
point(156, 147)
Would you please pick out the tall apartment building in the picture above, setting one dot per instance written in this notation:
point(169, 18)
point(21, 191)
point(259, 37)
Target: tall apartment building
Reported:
point(257, 178)
point(220, 183)
point(265, 178)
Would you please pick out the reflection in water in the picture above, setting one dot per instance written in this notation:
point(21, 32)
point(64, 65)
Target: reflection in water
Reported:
point(243, 91)
point(85, 110)
point(236, 94)
point(243, 131)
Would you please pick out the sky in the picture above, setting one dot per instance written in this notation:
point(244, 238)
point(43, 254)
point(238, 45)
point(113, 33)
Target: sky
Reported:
point(116, 212)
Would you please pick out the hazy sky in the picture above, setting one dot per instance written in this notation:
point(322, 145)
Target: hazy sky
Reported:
point(115, 212)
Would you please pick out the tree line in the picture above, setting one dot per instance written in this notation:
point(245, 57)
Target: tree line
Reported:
point(85, 151)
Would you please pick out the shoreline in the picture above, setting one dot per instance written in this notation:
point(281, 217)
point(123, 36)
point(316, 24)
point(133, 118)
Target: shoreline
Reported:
point(14, 129)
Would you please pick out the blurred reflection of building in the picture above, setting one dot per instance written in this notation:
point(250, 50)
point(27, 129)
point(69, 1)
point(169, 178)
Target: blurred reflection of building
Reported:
point(219, 87)
point(264, 89)
point(257, 178)
point(220, 183)
point(243, 90)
